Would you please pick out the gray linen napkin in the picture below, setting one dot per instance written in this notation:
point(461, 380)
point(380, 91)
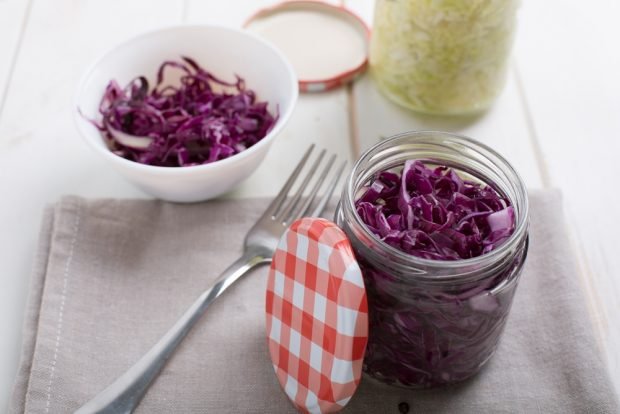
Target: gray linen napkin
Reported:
point(112, 275)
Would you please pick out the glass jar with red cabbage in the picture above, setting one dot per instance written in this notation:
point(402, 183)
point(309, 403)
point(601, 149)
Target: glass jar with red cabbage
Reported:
point(439, 225)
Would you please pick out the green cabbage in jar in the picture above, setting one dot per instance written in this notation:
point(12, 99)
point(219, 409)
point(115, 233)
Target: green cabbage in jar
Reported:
point(442, 56)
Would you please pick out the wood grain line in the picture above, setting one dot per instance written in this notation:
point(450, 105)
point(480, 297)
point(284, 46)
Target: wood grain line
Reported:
point(592, 297)
point(545, 176)
point(354, 139)
point(354, 136)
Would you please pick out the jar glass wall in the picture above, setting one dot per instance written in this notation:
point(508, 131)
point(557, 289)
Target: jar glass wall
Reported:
point(442, 57)
point(434, 322)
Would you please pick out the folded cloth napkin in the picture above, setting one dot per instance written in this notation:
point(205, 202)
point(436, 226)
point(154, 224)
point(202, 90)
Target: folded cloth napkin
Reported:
point(112, 276)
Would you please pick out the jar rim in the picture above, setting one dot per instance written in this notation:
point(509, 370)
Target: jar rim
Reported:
point(422, 137)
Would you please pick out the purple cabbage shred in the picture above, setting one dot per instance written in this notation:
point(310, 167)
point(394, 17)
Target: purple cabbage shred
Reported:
point(433, 213)
point(200, 120)
point(423, 334)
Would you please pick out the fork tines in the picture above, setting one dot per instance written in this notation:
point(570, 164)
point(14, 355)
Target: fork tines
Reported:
point(287, 209)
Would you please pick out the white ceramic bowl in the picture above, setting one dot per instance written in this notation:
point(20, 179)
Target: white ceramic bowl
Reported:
point(223, 52)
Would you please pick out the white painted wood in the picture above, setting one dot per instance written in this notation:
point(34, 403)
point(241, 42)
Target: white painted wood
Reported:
point(12, 18)
point(214, 12)
point(503, 127)
point(569, 61)
point(41, 156)
point(362, 8)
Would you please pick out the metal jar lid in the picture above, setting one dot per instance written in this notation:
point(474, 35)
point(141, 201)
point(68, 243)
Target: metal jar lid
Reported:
point(317, 316)
point(326, 44)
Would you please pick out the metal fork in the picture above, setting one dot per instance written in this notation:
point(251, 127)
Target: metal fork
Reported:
point(124, 394)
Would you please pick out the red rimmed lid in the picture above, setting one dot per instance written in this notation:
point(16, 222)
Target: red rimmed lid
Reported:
point(326, 44)
point(316, 316)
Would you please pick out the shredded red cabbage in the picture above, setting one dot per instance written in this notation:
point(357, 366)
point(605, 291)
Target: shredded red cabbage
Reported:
point(434, 213)
point(425, 334)
point(202, 120)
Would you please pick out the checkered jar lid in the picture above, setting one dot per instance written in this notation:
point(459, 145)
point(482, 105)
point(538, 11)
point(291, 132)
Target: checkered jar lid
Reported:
point(317, 316)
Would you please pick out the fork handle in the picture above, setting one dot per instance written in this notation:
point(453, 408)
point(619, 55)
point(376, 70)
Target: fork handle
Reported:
point(124, 394)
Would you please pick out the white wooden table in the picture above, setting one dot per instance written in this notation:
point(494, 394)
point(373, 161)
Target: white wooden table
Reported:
point(557, 121)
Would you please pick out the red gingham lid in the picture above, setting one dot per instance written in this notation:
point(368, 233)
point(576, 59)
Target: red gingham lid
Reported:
point(322, 49)
point(317, 316)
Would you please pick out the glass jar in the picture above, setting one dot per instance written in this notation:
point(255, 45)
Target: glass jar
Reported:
point(442, 56)
point(434, 322)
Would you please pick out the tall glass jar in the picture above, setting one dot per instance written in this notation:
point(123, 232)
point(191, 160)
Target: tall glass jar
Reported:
point(442, 56)
point(434, 322)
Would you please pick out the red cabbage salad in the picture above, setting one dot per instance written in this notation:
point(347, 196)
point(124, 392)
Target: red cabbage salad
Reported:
point(200, 120)
point(425, 335)
point(433, 213)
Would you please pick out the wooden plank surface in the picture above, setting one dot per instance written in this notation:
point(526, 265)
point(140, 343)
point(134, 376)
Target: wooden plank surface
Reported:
point(503, 127)
point(557, 121)
point(569, 68)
